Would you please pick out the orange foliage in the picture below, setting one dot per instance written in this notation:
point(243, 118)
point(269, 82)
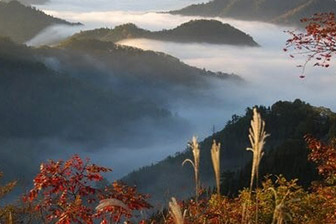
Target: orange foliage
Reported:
point(63, 193)
point(317, 43)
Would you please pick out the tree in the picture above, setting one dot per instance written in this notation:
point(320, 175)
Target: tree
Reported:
point(7, 211)
point(324, 155)
point(317, 43)
point(63, 193)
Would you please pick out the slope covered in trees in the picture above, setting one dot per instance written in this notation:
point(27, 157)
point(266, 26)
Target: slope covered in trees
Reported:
point(277, 11)
point(79, 92)
point(21, 23)
point(40, 103)
point(287, 122)
point(206, 31)
point(155, 67)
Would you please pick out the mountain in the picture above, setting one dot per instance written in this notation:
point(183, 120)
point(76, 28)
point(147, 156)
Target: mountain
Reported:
point(135, 63)
point(288, 12)
point(286, 152)
point(30, 2)
point(35, 2)
point(43, 109)
point(206, 31)
point(21, 23)
point(88, 95)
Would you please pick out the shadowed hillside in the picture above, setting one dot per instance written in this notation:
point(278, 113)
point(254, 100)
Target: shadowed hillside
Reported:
point(155, 67)
point(40, 104)
point(204, 31)
point(21, 23)
point(278, 11)
point(87, 94)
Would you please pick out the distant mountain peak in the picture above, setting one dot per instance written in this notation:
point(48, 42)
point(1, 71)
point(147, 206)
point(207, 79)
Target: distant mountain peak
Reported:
point(21, 23)
point(205, 31)
point(277, 11)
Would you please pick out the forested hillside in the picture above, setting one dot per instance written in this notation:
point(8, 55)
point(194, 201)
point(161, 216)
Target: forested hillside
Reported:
point(155, 67)
point(278, 11)
point(76, 94)
point(40, 104)
point(286, 152)
point(204, 31)
point(21, 23)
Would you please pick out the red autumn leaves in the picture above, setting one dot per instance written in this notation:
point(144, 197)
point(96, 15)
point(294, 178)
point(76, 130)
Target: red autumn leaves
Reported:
point(317, 43)
point(65, 192)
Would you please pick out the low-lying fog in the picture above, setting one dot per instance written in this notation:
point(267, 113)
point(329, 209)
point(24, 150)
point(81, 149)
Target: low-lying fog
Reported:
point(270, 74)
point(113, 5)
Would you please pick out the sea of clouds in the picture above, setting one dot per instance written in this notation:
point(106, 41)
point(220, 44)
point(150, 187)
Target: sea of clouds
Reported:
point(269, 73)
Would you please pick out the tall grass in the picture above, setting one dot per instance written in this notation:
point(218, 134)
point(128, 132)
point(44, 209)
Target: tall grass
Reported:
point(196, 154)
point(257, 136)
point(279, 214)
point(10, 218)
point(215, 156)
point(111, 202)
point(176, 212)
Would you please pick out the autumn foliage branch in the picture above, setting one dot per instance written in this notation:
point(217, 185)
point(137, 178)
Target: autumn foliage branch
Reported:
point(317, 43)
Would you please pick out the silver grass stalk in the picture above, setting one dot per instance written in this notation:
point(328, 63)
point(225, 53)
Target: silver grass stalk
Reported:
point(244, 213)
point(279, 213)
point(10, 218)
point(215, 156)
point(176, 211)
point(196, 153)
point(111, 202)
point(257, 136)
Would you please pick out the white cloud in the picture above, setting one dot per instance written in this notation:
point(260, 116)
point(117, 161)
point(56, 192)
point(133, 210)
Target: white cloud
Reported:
point(53, 35)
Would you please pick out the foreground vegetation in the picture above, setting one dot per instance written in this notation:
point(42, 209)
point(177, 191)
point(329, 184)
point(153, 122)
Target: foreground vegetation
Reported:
point(285, 153)
point(276, 201)
point(74, 191)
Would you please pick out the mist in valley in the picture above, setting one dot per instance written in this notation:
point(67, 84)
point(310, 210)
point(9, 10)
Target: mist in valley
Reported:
point(269, 75)
point(113, 5)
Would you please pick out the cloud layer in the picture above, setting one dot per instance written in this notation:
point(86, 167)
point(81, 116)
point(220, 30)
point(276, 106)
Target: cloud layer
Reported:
point(114, 5)
point(270, 74)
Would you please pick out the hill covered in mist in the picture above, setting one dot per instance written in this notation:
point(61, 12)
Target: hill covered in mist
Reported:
point(21, 23)
point(203, 31)
point(278, 11)
point(286, 152)
point(88, 95)
point(154, 67)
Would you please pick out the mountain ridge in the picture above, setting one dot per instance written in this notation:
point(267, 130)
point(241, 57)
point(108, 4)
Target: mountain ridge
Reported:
point(75, 94)
point(281, 12)
point(21, 23)
point(120, 54)
point(205, 31)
